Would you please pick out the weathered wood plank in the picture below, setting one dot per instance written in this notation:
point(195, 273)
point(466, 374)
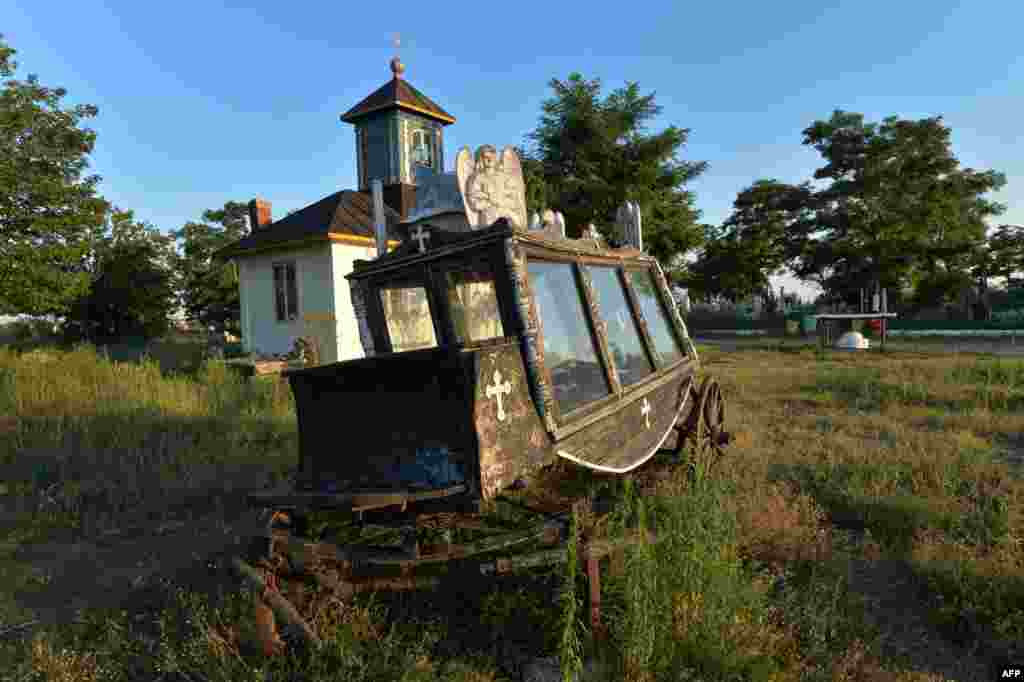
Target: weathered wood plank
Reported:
point(282, 608)
point(354, 501)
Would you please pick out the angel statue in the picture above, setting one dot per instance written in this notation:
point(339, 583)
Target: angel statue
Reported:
point(492, 190)
point(629, 224)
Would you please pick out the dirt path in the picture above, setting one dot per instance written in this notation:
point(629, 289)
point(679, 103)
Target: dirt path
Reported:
point(891, 591)
point(118, 571)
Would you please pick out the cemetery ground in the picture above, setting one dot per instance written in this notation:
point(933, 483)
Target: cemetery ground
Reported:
point(865, 525)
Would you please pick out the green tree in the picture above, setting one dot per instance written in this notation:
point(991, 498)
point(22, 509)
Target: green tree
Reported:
point(753, 244)
point(131, 291)
point(593, 155)
point(49, 211)
point(1005, 252)
point(536, 186)
point(718, 271)
point(896, 209)
point(209, 287)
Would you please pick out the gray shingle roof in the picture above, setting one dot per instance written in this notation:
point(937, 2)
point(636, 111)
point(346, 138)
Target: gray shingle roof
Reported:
point(345, 212)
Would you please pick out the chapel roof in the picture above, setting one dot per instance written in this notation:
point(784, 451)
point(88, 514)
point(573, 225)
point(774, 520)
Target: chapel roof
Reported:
point(347, 212)
point(397, 94)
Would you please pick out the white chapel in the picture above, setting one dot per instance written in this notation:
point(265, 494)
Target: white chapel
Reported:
point(292, 271)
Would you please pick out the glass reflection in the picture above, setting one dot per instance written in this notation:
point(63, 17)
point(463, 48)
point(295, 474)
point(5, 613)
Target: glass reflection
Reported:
point(631, 362)
point(656, 316)
point(474, 304)
point(569, 351)
point(407, 314)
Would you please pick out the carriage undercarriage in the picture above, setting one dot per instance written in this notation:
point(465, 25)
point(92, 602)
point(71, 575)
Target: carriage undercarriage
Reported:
point(384, 540)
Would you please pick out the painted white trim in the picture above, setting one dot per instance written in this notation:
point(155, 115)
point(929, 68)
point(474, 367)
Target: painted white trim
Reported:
point(243, 296)
point(613, 470)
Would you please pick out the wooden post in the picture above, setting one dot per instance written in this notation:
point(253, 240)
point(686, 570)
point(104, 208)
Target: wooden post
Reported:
point(885, 320)
point(280, 606)
point(379, 224)
point(594, 579)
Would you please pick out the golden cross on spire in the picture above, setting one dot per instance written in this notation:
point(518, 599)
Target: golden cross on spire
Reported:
point(396, 64)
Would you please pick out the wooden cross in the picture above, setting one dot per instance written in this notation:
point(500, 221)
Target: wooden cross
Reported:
point(497, 390)
point(421, 235)
point(646, 412)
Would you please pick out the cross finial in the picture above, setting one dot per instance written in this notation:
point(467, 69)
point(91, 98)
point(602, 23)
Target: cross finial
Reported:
point(397, 67)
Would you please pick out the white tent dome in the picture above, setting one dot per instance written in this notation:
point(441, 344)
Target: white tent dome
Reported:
point(852, 341)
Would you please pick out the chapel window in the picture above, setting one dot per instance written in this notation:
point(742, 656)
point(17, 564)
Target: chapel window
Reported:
point(286, 292)
point(570, 352)
point(422, 151)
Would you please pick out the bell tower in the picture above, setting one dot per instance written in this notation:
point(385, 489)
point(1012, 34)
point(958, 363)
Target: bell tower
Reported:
point(399, 139)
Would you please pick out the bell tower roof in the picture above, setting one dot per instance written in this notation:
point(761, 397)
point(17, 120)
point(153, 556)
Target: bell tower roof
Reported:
point(397, 93)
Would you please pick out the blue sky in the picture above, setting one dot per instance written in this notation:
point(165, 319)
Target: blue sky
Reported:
point(204, 102)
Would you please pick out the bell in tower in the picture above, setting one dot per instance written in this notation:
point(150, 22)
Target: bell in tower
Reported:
point(398, 139)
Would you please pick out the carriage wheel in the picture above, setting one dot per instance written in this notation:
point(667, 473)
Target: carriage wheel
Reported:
point(714, 417)
point(689, 429)
point(706, 431)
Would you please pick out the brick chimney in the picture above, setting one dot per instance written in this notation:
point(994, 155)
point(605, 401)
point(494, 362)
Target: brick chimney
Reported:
point(259, 214)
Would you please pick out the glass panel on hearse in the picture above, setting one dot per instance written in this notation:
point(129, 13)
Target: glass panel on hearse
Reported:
point(655, 315)
point(407, 315)
point(570, 351)
point(628, 355)
point(472, 300)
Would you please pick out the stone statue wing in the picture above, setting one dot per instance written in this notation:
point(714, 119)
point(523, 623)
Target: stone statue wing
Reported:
point(464, 167)
point(513, 170)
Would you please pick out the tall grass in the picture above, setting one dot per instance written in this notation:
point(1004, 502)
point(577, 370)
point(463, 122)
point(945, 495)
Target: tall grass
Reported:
point(834, 459)
point(90, 443)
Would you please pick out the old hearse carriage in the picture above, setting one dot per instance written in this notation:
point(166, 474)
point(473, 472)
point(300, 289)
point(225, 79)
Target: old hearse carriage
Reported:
point(492, 354)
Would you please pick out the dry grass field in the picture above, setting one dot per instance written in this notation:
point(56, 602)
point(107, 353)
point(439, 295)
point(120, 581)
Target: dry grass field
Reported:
point(865, 525)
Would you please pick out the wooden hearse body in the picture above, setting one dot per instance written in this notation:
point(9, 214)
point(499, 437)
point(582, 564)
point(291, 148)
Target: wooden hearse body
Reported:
point(490, 354)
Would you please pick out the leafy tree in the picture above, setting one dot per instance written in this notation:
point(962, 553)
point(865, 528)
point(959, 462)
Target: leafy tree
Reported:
point(753, 244)
point(897, 208)
point(717, 271)
point(210, 287)
point(536, 186)
point(131, 292)
point(593, 155)
point(49, 211)
point(1005, 252)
